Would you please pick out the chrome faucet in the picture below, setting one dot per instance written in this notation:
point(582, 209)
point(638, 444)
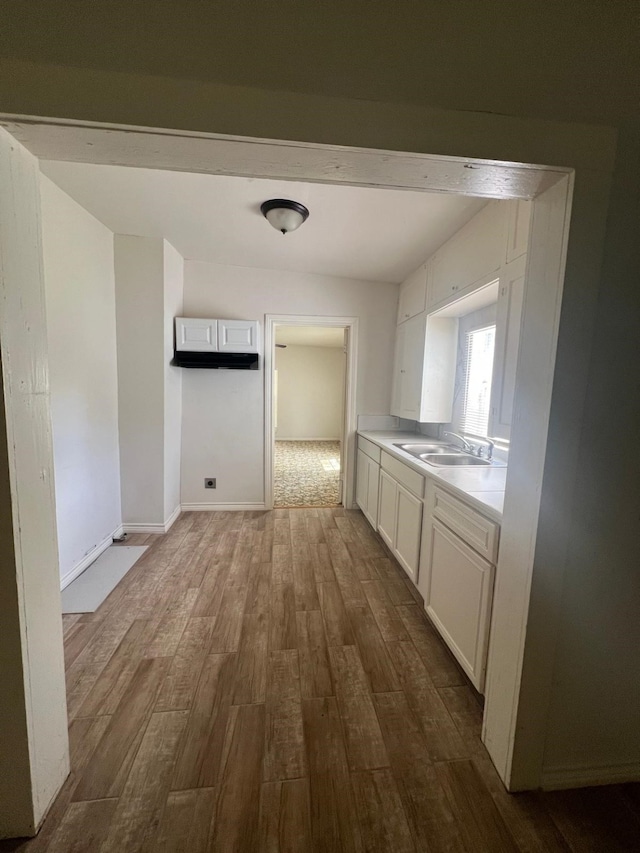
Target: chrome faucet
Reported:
point(490, 445)
point(466, 445)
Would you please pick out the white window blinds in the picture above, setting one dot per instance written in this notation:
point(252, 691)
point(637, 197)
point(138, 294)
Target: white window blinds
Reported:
point(480, 344)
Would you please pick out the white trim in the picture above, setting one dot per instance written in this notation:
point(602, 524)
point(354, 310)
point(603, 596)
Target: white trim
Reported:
point(586, 777)
point(222, 507)
point(293, 438)
point(143, 527)
point(50, 138)
point(90, 558)
point(350, 324)
point(174, 515)
point(513, 711)
point(519, 756)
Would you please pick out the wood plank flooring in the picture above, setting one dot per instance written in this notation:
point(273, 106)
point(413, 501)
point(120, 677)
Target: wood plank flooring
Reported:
point(269, 682)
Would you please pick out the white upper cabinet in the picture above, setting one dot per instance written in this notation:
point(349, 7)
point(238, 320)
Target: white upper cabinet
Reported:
point(471, 255)
point(409, 367)
point(196, 335)
point(519, 221)
point(508, 318)
point(424, 369)
point(413, 294)
point(238, 336)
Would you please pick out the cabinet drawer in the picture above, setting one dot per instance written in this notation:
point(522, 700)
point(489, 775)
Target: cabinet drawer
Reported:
point(372, 450)
point(409, 478)
point(474, 529)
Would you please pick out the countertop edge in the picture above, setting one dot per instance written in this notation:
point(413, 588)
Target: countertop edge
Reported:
point(385, 440)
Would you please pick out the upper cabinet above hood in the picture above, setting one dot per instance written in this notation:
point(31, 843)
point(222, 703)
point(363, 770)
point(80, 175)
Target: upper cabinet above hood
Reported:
point(226, 344)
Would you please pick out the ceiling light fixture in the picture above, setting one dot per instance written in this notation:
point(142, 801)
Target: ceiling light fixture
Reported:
point(283, 214)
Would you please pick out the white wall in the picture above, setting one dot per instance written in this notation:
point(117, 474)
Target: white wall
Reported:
point(310, 392)
point(139, 266)
point(81, 325)
point(173, 288)
point(34, 754)
point(149, 281)
point(223, 410)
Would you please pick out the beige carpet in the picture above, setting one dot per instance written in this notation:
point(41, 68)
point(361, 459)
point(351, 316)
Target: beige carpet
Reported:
point(307, 473)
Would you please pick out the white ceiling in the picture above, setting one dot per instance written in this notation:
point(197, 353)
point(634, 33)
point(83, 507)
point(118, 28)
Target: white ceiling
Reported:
point(310, 336)
point(352, 232)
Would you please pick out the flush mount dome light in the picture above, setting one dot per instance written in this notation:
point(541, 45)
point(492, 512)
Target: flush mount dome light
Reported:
point(283, 214)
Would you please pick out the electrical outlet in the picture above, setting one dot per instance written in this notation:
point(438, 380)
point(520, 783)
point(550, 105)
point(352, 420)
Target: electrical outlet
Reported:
point(209, 482)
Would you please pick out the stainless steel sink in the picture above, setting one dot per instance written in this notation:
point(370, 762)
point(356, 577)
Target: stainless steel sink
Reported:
point(458, 459)
point(419, 450)
point(442, 455)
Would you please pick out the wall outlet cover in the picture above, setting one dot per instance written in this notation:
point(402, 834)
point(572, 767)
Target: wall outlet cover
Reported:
point(209, 482)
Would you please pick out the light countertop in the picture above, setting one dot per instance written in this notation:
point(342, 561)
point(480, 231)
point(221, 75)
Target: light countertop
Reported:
point(481, 486)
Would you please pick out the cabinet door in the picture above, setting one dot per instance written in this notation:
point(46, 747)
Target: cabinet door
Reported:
point(519, 220)
point(362, 482)
point(413, 294)
point(408, 529)
point(193, 335)
point(367, 475)
point(387, 508)
point(508, 318)
point(238, 336)
point(396, 391)
point(472, 254)
point(459, 597)
point(412, 367)
point(372, 492)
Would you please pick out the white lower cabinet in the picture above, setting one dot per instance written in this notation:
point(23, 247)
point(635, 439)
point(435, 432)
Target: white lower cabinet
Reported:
point(400, 523)
point(457, 582)
point(368, 474)
point(448, 549)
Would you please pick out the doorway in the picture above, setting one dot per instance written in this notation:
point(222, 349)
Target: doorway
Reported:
point(541, 313)
point(310, 416)
point(308, 413)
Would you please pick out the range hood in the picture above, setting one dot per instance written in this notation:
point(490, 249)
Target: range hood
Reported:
point(217, 360)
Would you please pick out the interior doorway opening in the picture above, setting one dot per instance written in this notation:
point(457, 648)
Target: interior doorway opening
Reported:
point(551, 188)
point(310, 410)
point(308, 413)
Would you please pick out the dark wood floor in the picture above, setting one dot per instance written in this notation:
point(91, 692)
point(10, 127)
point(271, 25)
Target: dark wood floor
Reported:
point(268, 682)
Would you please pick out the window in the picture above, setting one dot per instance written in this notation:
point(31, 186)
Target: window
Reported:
point(478, 369)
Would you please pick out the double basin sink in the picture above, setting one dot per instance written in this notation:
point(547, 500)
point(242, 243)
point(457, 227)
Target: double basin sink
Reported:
point(442, 455)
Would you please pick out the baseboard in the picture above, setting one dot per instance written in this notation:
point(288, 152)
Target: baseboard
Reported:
point(174, 515)
point(281, 438)
point(222, 507)
point(586, 777)
point(135, 527)
point(89, 558)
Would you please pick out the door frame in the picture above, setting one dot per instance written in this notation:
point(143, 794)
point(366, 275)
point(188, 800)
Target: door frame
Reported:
point(349, 418)
point(486, 156)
